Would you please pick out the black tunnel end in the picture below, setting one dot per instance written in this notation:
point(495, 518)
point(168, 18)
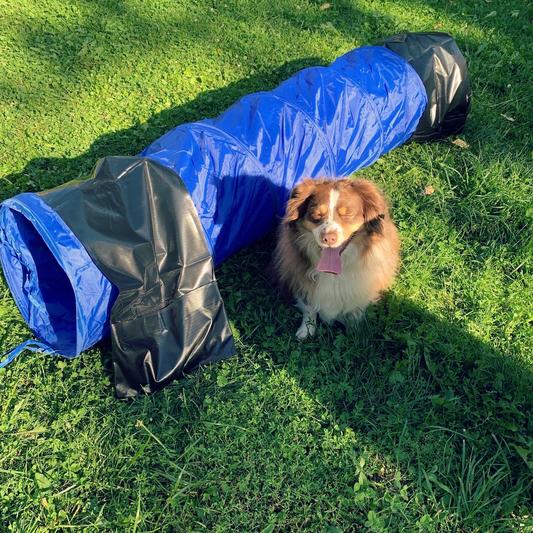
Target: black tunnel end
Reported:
point(442, 68)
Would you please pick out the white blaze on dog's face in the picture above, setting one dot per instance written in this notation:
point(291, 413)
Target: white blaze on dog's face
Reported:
point(333, 210)
point(325, 218)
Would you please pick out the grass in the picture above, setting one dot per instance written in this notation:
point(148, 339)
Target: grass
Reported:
point(419, 421)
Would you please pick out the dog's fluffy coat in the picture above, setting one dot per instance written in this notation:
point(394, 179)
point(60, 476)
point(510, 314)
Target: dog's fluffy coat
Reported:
point(351, 216)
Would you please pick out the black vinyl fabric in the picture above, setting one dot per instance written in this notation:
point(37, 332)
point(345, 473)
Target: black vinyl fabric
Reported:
point(442, 68)
point(139, 225)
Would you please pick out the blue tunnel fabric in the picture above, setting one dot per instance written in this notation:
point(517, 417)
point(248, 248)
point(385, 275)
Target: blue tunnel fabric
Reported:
point(63, 297)
point(238, 169)
point(324, 121)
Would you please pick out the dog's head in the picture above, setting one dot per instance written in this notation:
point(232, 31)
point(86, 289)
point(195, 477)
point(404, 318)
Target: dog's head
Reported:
point(333, 210)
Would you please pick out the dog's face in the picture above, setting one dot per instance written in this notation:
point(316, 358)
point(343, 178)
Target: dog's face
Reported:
point(333, 210)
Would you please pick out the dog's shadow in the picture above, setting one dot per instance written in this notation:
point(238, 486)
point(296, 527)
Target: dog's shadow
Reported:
point(419, 389)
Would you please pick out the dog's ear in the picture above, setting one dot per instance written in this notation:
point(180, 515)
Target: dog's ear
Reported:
point(374, 205)
point(297, 204)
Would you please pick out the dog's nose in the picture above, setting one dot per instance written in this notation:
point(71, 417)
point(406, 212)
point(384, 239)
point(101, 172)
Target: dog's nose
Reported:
point(329, 238)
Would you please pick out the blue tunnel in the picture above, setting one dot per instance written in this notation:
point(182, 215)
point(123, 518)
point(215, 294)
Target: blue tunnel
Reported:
point(66, 258)
point(324, 121)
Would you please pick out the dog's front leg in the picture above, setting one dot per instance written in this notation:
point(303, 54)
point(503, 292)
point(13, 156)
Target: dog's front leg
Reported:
point(308, 326)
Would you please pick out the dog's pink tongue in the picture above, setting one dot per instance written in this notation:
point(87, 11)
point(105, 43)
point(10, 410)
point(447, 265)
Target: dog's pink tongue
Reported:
point(330, 261)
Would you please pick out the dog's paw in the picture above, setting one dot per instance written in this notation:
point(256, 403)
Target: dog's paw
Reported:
point(305, 331)
point(352, 320)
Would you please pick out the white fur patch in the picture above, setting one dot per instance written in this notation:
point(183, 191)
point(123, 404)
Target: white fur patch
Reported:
point(308, 326)
point(333, 199)
point(329, 225)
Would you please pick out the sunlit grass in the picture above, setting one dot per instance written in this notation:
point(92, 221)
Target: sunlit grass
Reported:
point(418, 421)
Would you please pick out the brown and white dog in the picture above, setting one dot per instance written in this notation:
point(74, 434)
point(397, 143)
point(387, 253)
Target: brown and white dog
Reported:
point(337, 250)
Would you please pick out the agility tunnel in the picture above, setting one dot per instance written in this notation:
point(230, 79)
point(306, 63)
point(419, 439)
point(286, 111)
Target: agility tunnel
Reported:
point(130, 252)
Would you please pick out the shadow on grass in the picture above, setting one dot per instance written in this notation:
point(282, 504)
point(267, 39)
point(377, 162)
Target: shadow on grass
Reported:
point(446, 407)
point(97, 32)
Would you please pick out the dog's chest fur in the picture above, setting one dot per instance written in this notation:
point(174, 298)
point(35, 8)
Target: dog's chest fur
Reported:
point(349, 293)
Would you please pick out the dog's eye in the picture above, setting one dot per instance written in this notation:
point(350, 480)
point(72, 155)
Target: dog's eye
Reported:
point(345, 212)
point(316, 217)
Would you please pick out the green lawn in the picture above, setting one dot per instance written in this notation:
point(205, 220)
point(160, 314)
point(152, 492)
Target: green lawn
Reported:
point(420, 421)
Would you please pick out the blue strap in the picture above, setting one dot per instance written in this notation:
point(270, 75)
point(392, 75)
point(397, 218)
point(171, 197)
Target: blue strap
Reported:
point(32, 345)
